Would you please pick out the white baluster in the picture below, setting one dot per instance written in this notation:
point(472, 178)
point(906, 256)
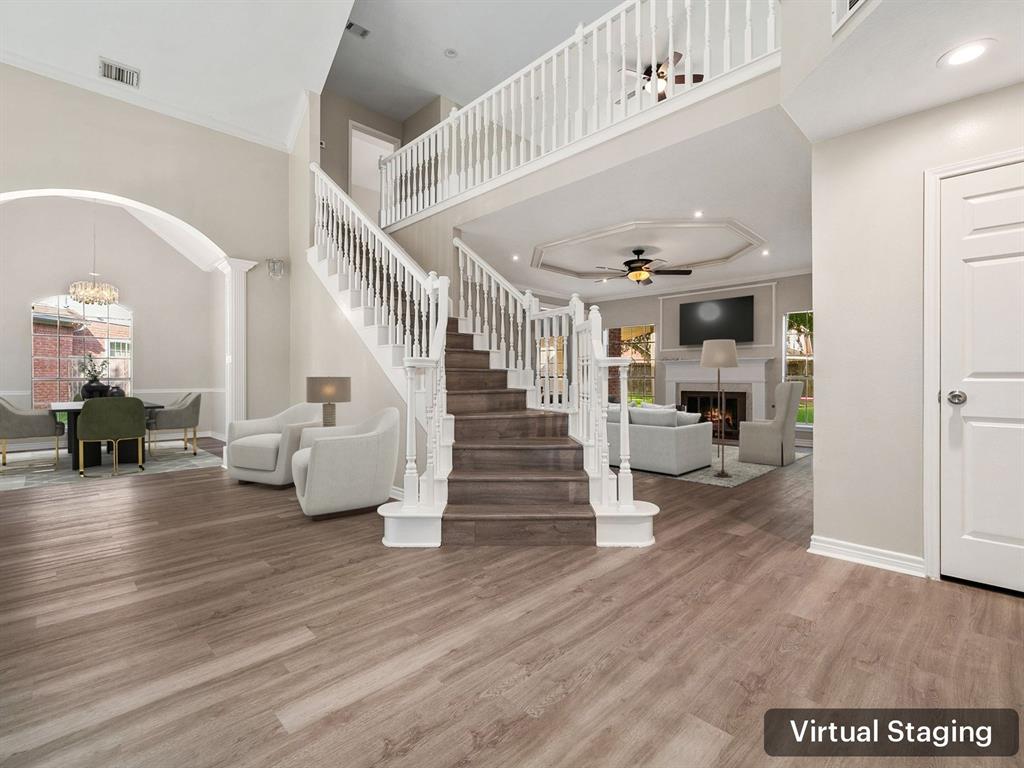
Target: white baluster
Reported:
point(501, 328)
point(638, 93)
point(770, 31)
point(462, 283)
point(568, 108)
point(608, 70)
point(727, 42)
point(533, 112)
point(835, 13)
point(622, 69)
point(748, 38)
point(670, 19)
point(410, 349)
point(688, 62)
point(594, 123)
point(651, 9)
point(522, 121)
point(707, 40)
point(543, 108)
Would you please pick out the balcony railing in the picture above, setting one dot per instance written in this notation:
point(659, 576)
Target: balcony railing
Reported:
point(638, 55)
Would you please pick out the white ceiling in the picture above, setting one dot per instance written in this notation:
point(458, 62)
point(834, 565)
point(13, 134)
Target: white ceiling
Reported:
point(886, 67)
point(756, 171)
point(236, 67)
point(401, 66)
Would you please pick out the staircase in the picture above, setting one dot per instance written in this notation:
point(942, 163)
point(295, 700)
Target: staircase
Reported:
point(517, 477)
point(512, 399)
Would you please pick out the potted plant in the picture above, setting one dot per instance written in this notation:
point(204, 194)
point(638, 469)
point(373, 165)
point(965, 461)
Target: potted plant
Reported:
point(92, 370)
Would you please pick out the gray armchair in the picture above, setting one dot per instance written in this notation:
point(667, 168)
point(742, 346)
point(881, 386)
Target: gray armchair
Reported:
point(260, 450)
point(16, 423)
point(182, 414)
point(773, 442)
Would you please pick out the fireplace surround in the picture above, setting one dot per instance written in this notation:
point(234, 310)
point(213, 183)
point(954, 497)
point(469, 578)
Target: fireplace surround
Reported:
point(705, 402)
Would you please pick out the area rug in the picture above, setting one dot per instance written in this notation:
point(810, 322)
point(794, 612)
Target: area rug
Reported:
point(740, 471)
point(18, 475)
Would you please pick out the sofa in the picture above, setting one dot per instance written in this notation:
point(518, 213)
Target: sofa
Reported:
point(773, 442)
point(337, 469)
point(661, 440)
point(260, 450)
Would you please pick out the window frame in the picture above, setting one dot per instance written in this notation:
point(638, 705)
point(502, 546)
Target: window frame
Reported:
point(805, 410)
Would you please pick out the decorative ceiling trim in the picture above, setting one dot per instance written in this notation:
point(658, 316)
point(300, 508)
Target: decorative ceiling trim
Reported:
point(753, 242)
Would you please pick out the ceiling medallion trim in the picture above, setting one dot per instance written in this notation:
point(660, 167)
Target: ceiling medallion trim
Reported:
point(753, 243)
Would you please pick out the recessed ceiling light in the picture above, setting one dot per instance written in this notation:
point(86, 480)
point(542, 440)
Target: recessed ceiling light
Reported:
point(515, 257)
point(765, 252)
point(965, 53)
point(604, 280)
point(698, 214)
point(451, 53)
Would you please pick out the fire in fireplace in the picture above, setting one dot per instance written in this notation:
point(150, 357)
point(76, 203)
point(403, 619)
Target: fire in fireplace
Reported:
point(705, 402)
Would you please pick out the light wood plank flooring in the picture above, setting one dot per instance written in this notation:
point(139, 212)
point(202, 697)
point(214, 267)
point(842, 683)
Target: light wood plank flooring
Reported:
point(183, 620)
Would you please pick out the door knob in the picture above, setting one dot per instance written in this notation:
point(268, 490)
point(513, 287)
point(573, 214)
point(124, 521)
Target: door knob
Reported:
point(956, 397)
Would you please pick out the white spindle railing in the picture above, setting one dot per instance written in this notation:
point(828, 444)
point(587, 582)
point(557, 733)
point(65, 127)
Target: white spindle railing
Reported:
point(557, 355)
point(593, 80)
point(410, 305)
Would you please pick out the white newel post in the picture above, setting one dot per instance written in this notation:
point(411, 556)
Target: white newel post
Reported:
point(235, 271)
point(410, 482)
point(625, 474)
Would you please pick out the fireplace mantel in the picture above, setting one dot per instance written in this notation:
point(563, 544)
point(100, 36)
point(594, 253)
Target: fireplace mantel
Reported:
point(752, 370)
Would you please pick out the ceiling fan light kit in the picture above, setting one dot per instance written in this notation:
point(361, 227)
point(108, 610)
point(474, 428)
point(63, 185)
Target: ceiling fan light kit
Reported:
point(639, 270)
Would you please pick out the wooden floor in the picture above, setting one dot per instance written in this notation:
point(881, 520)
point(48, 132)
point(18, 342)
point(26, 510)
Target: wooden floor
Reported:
point(182, 620)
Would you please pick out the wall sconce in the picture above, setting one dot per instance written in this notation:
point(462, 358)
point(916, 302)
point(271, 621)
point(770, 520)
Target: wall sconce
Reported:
point(275, 268)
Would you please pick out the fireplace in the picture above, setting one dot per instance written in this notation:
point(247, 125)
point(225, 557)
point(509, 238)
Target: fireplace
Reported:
point(705, 402)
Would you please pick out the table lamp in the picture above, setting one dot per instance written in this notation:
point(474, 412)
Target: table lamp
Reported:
point(720, 353)
point(328, 390)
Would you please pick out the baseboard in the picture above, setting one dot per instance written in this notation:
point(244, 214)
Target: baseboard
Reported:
point(397, 493)
point(859, 553)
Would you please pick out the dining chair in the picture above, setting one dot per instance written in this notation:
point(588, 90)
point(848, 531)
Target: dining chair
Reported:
point(18, 423)
point(182, 414)
point(111, 419)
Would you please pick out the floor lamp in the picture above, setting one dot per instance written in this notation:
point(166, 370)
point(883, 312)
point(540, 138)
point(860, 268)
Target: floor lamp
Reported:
point(720, 353)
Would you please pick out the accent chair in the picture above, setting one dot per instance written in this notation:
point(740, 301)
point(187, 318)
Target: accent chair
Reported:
point(182, 414)
point(351, 467)
point(16, 423)
point(111, 419)
point(260, 450)
point(773, 442)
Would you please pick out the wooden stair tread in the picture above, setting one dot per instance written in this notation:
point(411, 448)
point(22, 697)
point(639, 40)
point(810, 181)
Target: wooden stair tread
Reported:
point(499, 391)
point(517, 443)
point(526, 414)
point(517, 475)
point(518, 512)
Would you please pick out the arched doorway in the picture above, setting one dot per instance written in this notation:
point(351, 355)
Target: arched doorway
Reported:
point(207, 256)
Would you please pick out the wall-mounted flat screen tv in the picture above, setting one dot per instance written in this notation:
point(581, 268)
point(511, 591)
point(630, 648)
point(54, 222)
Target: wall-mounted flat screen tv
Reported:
point(717, 319)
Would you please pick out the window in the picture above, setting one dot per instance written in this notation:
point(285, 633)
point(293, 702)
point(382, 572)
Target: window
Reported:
point(62, 332)
point(800, 361)
point(636, 342)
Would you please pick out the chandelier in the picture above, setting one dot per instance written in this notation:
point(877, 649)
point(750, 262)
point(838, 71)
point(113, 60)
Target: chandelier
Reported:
point(92, 291)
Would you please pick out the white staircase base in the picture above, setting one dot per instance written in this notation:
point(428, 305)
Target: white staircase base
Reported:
point(410, 526)
point(629, 527)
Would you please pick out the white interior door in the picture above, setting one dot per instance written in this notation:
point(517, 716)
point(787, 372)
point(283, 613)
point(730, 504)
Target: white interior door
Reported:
point(982, 363)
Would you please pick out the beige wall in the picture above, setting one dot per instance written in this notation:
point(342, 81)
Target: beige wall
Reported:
point(425, 119)
point(177, 309)
point(867, 262)
point(54, 135)
point(772, 299)
point(335, 113)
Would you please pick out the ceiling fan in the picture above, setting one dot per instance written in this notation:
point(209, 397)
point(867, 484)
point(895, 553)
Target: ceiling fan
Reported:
point(662, 76)
point(639, 270)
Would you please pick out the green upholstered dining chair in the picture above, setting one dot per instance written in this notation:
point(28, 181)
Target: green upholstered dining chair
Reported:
point(182, 414)
point(20, 423)
point(111, 419)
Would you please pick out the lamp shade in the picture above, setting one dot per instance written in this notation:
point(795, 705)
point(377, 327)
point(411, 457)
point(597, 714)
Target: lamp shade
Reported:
point(718, 353)
point(328, 389)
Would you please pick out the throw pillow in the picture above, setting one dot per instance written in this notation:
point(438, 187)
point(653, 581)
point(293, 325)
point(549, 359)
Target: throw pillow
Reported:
point(684, 419)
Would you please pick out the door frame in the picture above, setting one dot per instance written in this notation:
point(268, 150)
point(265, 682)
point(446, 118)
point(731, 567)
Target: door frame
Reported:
point(355, 125)
point(932, 379)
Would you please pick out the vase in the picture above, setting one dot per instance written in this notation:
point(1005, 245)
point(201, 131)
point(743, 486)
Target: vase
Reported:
point(94, 388)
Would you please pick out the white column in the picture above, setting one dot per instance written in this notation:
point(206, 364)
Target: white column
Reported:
point(235, 271)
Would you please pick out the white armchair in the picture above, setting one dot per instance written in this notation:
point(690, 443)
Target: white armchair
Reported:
point(350, 467)
point(773, 442)
point(260, 450)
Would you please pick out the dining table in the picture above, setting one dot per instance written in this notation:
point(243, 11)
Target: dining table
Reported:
point(127, 450)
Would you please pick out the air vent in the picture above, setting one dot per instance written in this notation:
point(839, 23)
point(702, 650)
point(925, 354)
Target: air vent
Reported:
point(119, 73)
point(356, 30)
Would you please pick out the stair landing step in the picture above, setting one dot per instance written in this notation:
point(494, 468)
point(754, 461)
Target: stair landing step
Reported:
point(518, 512)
